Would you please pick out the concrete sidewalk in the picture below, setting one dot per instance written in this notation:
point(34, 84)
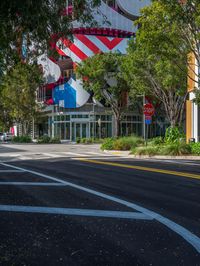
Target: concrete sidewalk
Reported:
point(127, 154)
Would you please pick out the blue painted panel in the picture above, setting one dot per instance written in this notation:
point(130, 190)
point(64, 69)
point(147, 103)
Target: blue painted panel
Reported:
point(66, 94)
point(70, 99)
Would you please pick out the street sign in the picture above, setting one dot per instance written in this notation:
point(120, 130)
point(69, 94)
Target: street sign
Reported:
point(148, 109)
point(148, 122)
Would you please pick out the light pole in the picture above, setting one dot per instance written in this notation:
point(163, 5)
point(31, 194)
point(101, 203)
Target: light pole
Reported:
point(143, 115)
point(144, 126)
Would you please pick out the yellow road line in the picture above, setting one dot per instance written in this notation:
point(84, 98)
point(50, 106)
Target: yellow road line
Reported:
point(142, 168)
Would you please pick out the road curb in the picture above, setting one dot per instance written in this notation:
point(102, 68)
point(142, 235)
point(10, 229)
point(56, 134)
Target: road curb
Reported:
point(127, 153)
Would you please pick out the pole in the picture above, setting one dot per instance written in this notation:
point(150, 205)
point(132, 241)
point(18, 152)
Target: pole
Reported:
point(144, 126)
point(93, 121)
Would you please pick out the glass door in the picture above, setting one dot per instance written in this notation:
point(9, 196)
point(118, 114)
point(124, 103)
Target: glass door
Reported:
point(84, 131)
point(81, 130)
point(78, 133)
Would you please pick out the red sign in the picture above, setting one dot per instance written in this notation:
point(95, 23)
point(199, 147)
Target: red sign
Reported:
point(148, 109)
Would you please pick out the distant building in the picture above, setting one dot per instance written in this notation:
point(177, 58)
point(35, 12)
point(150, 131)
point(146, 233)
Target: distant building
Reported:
point(70, 111)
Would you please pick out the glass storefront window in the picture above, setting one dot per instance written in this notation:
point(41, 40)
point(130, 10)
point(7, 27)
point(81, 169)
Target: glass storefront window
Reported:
point(57, 130)
point(67, 131)
point(109, 117)
point(62, 118)
point(62, 131)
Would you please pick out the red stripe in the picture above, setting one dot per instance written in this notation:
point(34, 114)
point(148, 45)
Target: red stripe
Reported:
point(75, 49)
point(88, 43)
point(60, 51)
point(110, 44)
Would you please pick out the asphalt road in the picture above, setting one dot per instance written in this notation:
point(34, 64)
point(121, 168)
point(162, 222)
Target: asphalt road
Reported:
point(62, 211)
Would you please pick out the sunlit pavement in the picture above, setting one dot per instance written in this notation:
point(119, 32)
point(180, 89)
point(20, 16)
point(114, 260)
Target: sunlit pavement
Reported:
point(88, 208)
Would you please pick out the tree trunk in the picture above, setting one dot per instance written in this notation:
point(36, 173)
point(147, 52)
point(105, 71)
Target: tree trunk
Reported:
point(117, 125)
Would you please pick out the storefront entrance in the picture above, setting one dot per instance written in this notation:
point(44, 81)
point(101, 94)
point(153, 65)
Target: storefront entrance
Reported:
point(80, 130)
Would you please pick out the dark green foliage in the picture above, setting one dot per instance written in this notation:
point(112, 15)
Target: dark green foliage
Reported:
point(43, 139)
point(102, 74)
point(145, 150)
point(174, 135)
point(176, 149)
point(195, 147)
point(46, 139)
point(122, 144)
point(108, 144)
point(78, 140)
point(89, 140)
point(55, 140)
point(127, 143)
point(17, 95)
point(22, 139)
point(197, 96)
point(156, 141)
point(39, 19)
point(156, 63)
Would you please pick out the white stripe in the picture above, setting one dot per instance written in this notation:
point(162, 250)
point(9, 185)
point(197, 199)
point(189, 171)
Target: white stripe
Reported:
point(98, 43)
point(75, 154)
point(73, 56)
point(43, 184)
point(83, 48)
point(122, 46)
point(51, 155)
point(95, 153)
point(76, 212)
point(11, 171)
point(180, 230)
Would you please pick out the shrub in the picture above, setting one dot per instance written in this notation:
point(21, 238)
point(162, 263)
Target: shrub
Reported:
point(123, 144)
point(78, 140)
point(83, 140)
point(98, 140)
point(126, 143)
point(43, 139)
point(174, 135)
point(22, 139)
point(87, 140)
point(195, 148)
point(176, 149)
point(156, 141)
point(55, 140)
point(145, 150)
point(108, 144)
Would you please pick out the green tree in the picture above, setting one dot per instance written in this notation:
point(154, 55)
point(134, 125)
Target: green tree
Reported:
point(102, 75)
point(172, 27)
point(18, 95)
point(155, 69)
point(37, 21)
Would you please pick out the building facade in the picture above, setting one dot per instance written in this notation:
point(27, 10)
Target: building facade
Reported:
point(192, 109)
point(71, 112)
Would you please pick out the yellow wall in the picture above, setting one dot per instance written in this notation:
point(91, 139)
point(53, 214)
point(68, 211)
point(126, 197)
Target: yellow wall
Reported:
point(191, 85)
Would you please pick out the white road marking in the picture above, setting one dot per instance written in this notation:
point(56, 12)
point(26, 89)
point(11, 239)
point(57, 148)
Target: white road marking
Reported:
point(31, 184)
point(52, 155)
point(76, 212)
point(73, 154)
point(11, 171)
point(191, 238)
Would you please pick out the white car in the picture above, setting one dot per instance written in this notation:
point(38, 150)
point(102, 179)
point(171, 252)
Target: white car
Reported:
point(6, 136)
